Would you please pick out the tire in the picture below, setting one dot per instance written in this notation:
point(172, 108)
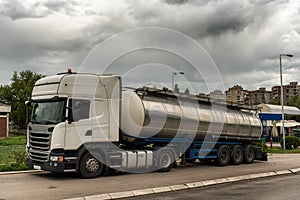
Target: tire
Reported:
point(165, 161)
point(237, 155)
point(89, 166)
point(249, 154)
point(223, 156)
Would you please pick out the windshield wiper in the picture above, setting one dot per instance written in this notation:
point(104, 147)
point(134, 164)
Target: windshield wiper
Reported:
point(34, 122)
point(46, 122)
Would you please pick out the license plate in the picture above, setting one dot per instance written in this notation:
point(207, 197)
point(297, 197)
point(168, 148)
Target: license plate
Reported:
point(37, 167)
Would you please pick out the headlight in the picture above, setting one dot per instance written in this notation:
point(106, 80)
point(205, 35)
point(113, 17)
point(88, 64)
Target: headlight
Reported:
point(56, 158)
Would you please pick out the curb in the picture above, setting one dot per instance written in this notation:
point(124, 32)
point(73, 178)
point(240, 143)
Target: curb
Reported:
point(22, 172)
point(156, 190)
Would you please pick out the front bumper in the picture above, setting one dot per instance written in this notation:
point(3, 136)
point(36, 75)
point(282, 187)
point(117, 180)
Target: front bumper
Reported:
point(68, 164)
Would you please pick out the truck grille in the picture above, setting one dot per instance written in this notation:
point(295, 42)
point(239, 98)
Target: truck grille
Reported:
point(39, 146)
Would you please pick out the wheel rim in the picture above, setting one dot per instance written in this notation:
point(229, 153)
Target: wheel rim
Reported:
point(223, 155)
point(165, 160)
point(250, 154)
point(92, 165)
point(238, 154)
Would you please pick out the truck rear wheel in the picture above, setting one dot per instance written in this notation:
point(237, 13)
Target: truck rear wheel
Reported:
point(223, 155)
point(249, 154)
point(237, 155)
point(165, 161)
point(89, 166)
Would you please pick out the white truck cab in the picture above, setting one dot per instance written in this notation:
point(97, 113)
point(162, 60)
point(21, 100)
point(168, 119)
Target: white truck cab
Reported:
point(70, 111)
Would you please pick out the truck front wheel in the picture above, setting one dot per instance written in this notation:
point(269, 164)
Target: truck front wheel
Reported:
point(165, 161)
point(89, 166)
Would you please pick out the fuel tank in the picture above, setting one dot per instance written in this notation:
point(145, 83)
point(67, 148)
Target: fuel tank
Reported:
point(159, 114)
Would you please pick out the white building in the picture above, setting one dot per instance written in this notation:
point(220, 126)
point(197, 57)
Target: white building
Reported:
point(4, 120)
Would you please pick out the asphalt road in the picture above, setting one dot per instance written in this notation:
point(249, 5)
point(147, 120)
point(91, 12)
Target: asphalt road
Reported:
point(273, 188)
point(59, 186)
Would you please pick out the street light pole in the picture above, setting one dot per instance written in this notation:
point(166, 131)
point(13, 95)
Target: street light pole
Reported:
point(173, 74)
point(281, 99)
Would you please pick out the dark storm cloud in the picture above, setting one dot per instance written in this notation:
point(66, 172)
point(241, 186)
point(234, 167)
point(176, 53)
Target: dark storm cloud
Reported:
point(222, 23)
point(176, 1)
point(242, 37)
point(67, 7)
point(15, 10)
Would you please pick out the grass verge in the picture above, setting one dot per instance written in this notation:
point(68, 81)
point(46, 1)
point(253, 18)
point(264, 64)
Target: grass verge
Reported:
point(280, 150)
point(13, 153)
point(16, 140)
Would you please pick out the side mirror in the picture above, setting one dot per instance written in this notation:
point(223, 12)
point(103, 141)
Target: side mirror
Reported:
point(69, 118)
point(28, 103)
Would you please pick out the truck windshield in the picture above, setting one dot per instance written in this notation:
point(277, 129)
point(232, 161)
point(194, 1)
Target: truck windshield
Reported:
point(48, 112)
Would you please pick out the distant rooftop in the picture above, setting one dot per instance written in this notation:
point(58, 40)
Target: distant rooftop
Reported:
point(5, 108)
point(289, 110)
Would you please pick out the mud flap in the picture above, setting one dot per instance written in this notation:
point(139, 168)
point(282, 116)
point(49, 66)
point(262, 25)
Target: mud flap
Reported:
point(260, 155)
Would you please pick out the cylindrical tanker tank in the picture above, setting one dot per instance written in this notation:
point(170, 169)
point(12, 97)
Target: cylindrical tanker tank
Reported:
point(160, 116)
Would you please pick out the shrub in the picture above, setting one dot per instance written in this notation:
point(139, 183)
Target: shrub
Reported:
point(263, 146)
point(291, 142)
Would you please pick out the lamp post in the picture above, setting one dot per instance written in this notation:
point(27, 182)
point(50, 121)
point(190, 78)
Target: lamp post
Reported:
point(173, 74)
point(281, 99)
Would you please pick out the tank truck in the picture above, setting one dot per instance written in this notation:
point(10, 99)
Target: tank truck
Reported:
point(88, 124)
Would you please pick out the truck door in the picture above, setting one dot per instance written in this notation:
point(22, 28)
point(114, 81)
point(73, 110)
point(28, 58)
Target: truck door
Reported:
point(100, 120)
point(79, 128)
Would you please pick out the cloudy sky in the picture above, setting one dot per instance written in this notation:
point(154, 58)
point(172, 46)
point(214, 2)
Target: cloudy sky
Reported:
point(243, 38)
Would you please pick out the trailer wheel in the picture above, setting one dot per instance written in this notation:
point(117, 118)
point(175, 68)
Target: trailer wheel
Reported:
point(223, 156)
point(249, 154)
point(237, 155)
point(165, 161)
point(89, 166)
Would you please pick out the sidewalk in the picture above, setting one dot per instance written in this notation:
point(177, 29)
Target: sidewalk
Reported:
point(277, 165)
point(185, 186)
point(274, 144)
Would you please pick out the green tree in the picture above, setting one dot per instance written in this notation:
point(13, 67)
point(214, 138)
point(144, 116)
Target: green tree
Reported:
point(6, 96)
point(275, 101)
point(294, 101)
point(17, 93)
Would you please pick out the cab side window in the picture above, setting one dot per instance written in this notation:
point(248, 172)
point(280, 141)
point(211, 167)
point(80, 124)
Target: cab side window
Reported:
point(80, 109)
